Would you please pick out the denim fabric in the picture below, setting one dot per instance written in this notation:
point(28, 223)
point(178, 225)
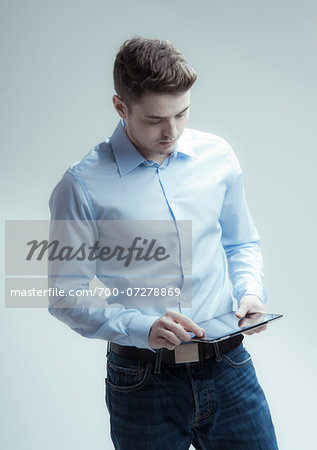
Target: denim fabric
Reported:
point(211, 405)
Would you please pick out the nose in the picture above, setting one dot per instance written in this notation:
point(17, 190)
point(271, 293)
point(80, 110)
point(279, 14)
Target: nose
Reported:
point(169, 129)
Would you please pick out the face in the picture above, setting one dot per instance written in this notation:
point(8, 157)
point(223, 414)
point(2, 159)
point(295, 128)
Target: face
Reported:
point(156, 122)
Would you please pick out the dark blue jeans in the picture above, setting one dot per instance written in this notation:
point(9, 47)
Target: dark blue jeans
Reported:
point(211, 405)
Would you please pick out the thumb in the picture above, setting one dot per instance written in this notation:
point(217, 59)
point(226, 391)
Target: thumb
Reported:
point(241, 311)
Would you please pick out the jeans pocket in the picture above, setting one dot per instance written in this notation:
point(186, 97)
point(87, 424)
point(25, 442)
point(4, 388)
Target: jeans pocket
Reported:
point(237, 358)
point(127, 379)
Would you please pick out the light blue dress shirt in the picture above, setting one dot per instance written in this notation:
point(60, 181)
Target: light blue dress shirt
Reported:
point(201, 181)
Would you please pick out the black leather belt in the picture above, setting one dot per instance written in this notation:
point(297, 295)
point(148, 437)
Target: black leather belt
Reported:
point(205, 351)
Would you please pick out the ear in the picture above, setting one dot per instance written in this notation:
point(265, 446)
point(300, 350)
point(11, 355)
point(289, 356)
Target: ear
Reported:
point(120, 106)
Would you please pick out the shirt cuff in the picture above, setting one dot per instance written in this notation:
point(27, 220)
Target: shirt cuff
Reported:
point(139, 329)
point(252, 289)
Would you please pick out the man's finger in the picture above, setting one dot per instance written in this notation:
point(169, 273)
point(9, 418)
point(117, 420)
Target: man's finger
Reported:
point(255, 330)
point(241, 312)
point(187, 323)
point(170, 336)
point(178, 330)
point(161, 342)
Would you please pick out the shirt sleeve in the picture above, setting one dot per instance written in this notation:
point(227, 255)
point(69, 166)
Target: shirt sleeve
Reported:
point(73, 222)
point(240, 239)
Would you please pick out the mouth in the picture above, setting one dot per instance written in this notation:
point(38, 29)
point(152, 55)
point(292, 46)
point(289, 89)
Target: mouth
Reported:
point(167, 143)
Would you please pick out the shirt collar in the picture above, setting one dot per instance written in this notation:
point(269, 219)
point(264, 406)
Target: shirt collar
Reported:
point(128, 157)
point(182, 145)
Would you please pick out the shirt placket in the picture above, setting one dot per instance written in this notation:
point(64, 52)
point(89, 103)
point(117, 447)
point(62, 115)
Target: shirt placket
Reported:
point(183, 230)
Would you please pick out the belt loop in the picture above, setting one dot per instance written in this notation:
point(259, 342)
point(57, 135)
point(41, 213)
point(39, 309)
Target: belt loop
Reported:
point(108, 349)
point(201, 352)
point(217, 351)
point(158, 359)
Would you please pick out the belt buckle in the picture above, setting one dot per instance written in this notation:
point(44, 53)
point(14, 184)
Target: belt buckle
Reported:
point(186, 353)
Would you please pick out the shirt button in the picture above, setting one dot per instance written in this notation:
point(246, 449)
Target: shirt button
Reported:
point(185, 300)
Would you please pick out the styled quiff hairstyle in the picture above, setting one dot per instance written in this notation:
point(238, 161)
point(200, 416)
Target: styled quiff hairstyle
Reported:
point(150, 65)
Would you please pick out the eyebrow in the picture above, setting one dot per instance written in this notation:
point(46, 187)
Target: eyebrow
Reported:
point(161, 117)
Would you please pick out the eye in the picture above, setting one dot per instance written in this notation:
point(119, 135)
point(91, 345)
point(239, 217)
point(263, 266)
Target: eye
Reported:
point(154, 122)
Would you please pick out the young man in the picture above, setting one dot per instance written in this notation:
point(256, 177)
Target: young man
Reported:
point(154, 169)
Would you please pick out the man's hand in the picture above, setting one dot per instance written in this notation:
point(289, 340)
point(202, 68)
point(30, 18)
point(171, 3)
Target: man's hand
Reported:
point(171, 329)
point(250, 304)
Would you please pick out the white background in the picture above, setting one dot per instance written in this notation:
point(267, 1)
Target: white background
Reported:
point(256, 63)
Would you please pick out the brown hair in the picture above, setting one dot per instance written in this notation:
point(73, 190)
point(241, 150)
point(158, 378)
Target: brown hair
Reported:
point(153, 65)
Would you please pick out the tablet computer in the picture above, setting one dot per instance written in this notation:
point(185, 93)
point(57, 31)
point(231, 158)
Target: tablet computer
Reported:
point(228, 325)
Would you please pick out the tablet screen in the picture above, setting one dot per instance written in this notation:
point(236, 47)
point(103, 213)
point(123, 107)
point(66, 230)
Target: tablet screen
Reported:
point(228, 325)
